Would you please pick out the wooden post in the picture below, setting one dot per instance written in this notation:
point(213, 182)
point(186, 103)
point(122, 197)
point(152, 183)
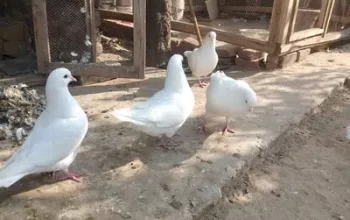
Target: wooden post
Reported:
point(280, 25)
point(41, 35)
point(139, 53)
point(195, 23)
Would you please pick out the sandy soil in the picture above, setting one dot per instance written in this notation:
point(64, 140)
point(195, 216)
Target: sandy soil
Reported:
point(308, 178)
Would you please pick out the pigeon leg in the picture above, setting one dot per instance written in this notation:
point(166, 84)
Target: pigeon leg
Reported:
point(71, 176)
point(167, 143)
point(227, 129)
point(201, 128)
point(202, 84)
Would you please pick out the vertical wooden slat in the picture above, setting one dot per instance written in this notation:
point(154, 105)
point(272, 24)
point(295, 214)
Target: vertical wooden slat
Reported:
point(139, 53)
point(294, 16)
point(41, 35)
point(285, 20)
point(328, 16)
point(93, 29)
point(322, 16)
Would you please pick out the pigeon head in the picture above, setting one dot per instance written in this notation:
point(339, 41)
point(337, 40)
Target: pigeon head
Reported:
point(60, 78)
point(175, 61)
point(211, 36)
point(250, 98)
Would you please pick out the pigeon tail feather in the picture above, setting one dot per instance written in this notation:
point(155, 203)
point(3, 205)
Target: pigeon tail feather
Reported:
point(8, 181)
point(126, 114)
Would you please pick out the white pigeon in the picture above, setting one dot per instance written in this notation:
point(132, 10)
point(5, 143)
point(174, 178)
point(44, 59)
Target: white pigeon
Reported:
point(229, 98)
point(203, 60)
point(168, 109)
point(58, 132)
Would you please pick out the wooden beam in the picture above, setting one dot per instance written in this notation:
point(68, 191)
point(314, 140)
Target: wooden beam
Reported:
point(231, 9)
point(315, 41)
point(305, 34)
point(108, 14)
point(139, 53)
point(41, 34)
point(222, 35)
point(124, 70)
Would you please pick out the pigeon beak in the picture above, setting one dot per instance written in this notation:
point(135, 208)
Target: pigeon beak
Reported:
point(73, 79)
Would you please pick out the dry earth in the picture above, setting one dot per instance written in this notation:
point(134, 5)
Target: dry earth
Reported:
point(307, 178)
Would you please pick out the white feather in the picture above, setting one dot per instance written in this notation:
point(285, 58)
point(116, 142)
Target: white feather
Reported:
point(228, 97)
point(168, 109)
point(57, 134)
point(203, 60)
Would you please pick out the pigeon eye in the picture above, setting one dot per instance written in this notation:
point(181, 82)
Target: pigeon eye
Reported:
point(246, 101)
point(65, 76)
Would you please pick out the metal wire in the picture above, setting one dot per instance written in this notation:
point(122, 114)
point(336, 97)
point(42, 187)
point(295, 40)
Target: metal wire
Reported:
point(68, 37)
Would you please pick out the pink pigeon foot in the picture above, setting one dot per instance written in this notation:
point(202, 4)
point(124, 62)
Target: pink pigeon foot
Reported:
point(70, 175)
point(203, 84)
point(227, 129)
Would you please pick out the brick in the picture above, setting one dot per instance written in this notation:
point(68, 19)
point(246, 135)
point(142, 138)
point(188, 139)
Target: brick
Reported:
point(16, 31)
point(249, 64)
point(287, 60)
point(249, 54)
point(14, 48)
point(226, 50)
point(303, 54)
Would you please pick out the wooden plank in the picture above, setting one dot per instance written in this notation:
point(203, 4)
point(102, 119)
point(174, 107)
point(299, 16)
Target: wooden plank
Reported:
point(212, 8)
point(322, 16)
point(123, 70)
point(115, 15)
point(328, 16)
point(315, 41)
point(305, 34)
point(139, 53)
point(41, 34)
point(231, 9)
point(222, 35)
point(92, 25)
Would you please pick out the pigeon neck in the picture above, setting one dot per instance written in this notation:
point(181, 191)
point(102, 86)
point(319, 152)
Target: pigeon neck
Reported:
point(176, 81)
point(58, 98)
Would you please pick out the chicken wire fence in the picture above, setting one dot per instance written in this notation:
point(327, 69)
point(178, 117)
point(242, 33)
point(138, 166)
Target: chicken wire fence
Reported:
point(70, 37)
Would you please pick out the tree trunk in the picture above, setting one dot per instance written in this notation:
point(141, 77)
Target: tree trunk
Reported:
point(158, 36)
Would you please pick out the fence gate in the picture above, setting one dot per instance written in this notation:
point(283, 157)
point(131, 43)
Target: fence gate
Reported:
point(66, 36)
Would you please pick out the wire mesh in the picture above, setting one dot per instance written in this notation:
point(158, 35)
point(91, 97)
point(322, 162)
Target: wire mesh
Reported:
point(340, 19)
point(307, 15)
point(115, 44)
point(68, 32)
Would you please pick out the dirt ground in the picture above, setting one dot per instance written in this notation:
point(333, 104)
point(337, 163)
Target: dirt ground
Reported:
point(115, 169)
point(307, 178)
